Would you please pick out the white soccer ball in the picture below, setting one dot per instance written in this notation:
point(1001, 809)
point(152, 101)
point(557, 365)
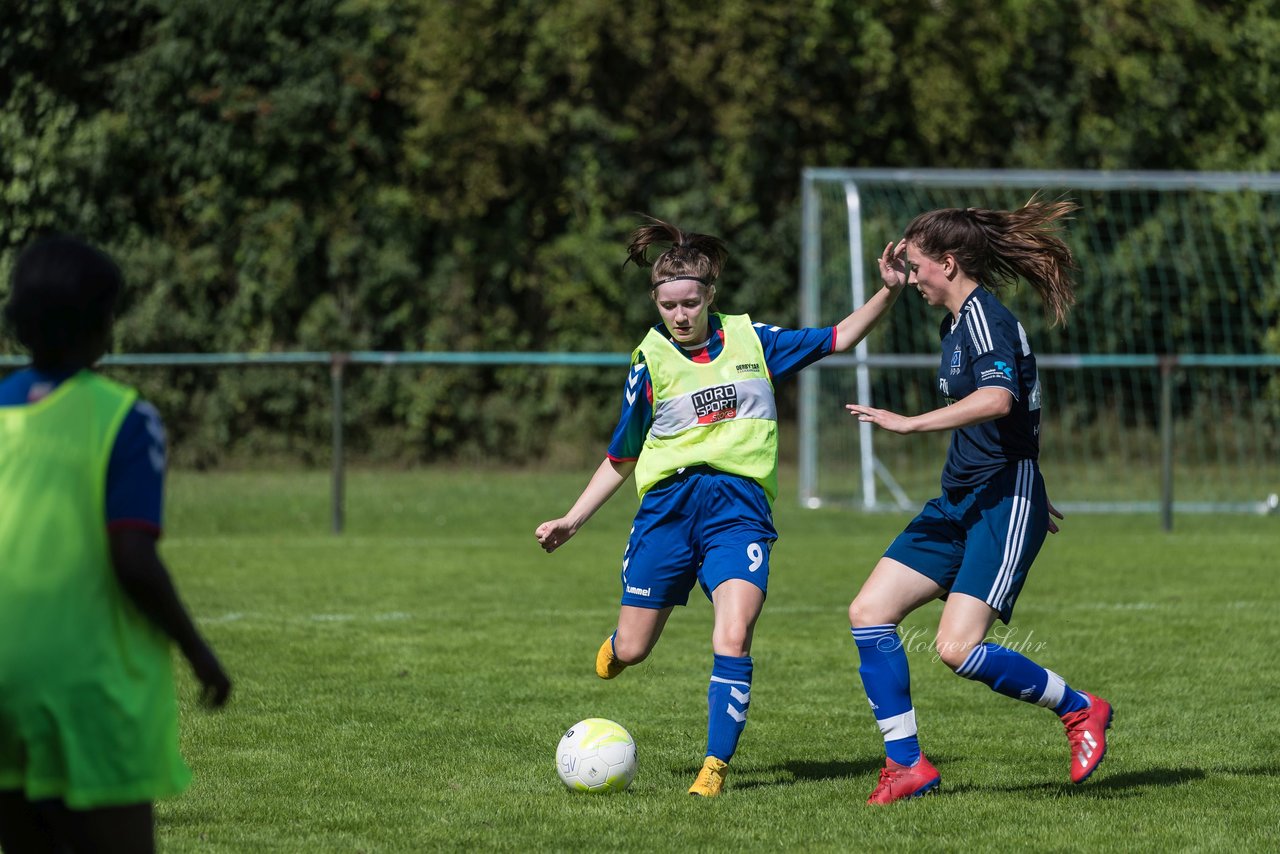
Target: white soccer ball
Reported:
point(596, 755)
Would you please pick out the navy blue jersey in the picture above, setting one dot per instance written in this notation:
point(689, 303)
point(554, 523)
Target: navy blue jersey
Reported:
point(987, 348)
point(786, 352)
point(135, 472)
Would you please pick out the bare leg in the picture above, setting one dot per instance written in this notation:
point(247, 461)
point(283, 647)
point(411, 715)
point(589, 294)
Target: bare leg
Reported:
point(638, 632)
point(964, 624)
point(890, 593)
point(737, 606)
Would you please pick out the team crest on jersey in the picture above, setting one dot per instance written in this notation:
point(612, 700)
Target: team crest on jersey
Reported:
point(955, 362)
point(717, 403)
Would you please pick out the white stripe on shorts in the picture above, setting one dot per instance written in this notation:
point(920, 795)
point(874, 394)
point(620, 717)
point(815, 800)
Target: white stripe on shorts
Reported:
point(1016, 537)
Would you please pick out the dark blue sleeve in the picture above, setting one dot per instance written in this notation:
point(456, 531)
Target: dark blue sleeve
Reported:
point(636, 418)
point(788, 351)
point(135, 473)
point(995, 348)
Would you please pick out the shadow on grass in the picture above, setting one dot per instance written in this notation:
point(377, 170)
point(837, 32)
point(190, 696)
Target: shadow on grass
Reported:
point(1124, 785)
point(804, 770)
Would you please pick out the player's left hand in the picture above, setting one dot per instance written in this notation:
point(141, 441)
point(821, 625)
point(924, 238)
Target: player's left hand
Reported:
point(1054, 513)
point(882, 418)
point(215, 684)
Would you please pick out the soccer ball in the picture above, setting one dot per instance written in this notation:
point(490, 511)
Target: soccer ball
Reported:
point(596, 755)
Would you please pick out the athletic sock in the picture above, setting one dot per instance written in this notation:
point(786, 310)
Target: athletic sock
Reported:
point(728, 696)
point(1014, 675)
point(887, 681)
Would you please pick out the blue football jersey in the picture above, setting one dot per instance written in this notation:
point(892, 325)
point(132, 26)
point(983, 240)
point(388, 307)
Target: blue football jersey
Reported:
point(987, 348)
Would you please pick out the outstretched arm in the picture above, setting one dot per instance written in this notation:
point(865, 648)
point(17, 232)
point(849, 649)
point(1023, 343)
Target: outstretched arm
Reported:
point(893, 272)
point(985, 404)
point(603, 484)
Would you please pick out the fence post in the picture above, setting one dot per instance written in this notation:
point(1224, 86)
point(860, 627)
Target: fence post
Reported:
point(337, 364)
point(1167, 364)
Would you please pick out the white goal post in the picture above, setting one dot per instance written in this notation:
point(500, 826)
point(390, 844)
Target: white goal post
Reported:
point(1163, 382)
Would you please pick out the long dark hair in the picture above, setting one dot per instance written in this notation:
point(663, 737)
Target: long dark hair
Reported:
point(996, 248)
point(688, 256)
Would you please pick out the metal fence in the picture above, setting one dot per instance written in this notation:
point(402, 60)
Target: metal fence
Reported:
point(337, 363)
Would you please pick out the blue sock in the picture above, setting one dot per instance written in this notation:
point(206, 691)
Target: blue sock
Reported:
point(887, 681)
point(1014, 675)
point(728, 697)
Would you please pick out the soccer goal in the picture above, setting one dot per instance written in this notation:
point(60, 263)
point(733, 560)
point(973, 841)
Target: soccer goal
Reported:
point(1161, 393)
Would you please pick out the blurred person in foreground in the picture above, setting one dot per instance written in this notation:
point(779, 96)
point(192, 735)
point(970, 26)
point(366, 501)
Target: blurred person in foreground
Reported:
point(699, 429)
point(88, 709)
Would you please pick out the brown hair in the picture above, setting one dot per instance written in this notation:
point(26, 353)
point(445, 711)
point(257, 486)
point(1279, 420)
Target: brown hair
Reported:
point(690, 255)
point(998, 247)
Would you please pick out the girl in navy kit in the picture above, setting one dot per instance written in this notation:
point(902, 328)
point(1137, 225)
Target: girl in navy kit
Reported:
point(974, 544)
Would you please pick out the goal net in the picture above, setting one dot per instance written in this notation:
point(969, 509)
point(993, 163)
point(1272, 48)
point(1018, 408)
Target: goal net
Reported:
point(1161, 393)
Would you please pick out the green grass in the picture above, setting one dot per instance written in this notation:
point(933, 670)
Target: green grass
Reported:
point(402, 687)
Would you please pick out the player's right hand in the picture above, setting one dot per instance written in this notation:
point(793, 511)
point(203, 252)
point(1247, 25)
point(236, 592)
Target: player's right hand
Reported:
point(553, 534)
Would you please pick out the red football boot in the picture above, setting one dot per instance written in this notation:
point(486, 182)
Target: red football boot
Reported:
point(905, 781)
point(1087, 733)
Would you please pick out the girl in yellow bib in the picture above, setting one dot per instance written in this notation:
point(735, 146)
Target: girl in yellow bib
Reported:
point(699, 430)
point(88, 713)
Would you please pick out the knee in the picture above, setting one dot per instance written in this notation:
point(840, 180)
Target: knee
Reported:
point(952, 651)
point(731, 640)
point(863, 613)
point(630, 651)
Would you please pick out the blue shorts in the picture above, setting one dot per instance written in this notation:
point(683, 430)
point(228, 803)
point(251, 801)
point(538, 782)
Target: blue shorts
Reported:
point(980, 542)
point(699, 525)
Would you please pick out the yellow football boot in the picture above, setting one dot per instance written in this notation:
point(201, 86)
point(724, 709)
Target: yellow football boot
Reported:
point(607, 666)
point(710, 779)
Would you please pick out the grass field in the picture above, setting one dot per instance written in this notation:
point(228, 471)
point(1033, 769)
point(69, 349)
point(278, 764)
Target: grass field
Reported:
point(402, 687)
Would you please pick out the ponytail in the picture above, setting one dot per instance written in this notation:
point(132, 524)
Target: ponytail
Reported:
point(999, 247)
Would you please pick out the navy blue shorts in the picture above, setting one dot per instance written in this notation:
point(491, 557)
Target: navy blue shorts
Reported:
point(699, 525)
point(980, 542)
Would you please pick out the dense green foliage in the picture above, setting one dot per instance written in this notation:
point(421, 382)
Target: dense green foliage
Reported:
point(402, 687)
point(372, 174)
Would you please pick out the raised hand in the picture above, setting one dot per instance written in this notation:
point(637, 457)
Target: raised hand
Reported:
point(893, 264)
